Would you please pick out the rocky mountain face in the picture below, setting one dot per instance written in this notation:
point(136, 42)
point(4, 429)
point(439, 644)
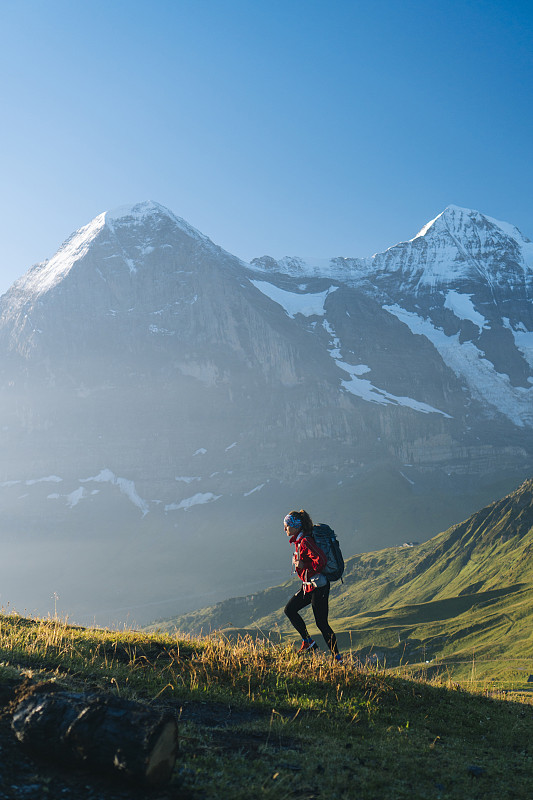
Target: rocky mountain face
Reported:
point(164, 404)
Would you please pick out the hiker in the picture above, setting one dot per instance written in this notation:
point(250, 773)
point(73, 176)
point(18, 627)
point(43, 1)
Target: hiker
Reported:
point(309, 561)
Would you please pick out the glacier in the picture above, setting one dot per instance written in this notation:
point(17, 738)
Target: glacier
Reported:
point(305, 303)
point(485, 383)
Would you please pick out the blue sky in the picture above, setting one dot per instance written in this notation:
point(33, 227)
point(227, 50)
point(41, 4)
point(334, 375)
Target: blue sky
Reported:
point(280, 127)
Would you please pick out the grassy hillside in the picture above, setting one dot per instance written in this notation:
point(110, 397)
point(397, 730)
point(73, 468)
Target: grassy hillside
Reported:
point(315, 730)
point(462, 601)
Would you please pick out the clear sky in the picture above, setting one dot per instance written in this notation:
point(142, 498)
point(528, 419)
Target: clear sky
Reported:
point(280, 127)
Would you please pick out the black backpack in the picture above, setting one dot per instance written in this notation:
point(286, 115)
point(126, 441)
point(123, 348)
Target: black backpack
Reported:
point(326, 539)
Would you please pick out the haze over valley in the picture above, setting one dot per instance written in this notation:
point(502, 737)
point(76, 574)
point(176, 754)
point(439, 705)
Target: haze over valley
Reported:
point(165, 403)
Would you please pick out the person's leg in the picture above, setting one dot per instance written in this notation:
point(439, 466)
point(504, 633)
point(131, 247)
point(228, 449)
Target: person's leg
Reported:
point(320, 605)
point(295, 604)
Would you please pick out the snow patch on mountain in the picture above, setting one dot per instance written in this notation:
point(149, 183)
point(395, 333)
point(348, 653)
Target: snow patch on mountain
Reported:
point(363, 388)
point(162, 331)
point(74, 497)
point(126, 486)
point(32, 481)
point(485, 383)
point(197, 499)
point(293, 303)
point(463, 308)
point(255, 489)
point(49, 479)
point(523, 340)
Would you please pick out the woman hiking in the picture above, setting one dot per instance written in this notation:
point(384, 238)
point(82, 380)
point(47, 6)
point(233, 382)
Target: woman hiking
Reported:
point(309, 561)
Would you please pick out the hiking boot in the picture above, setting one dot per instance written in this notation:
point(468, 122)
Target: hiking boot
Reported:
point(308, 645)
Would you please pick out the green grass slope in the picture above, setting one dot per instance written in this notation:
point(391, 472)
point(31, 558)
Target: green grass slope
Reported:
point(468, 589)
point(256, 720)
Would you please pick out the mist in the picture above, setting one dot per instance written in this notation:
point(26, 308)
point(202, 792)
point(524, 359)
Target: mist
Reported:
point(161, 414)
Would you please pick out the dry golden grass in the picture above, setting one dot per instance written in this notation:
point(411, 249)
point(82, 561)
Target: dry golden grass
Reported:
point(314, 728)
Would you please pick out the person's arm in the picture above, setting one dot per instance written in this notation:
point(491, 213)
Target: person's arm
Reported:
point(313, 559)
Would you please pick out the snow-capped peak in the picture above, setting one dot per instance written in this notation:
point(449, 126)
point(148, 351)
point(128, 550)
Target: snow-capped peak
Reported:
point(136, 212)
point(452, 218)
point(477, 235)
point(457, 220)
point(146, 211)
point(44, 276)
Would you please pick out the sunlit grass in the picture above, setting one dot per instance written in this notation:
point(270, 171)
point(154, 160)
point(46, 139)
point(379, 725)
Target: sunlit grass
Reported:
point(245, 670)
point(350, 729)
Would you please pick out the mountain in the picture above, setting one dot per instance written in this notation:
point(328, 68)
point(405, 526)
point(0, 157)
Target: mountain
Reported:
point(164, 404)
point(468, 588)
point(464, 282)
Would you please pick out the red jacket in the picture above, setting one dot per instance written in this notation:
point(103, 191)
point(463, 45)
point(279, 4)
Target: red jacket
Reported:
point(313, 558)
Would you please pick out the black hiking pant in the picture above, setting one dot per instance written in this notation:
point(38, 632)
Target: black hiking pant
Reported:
point(318, 599)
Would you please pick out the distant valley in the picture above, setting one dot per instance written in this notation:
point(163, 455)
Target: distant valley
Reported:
point(465, 595)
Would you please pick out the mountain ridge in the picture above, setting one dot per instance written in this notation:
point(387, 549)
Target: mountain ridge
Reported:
point(444, 222)
point(453, 221)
